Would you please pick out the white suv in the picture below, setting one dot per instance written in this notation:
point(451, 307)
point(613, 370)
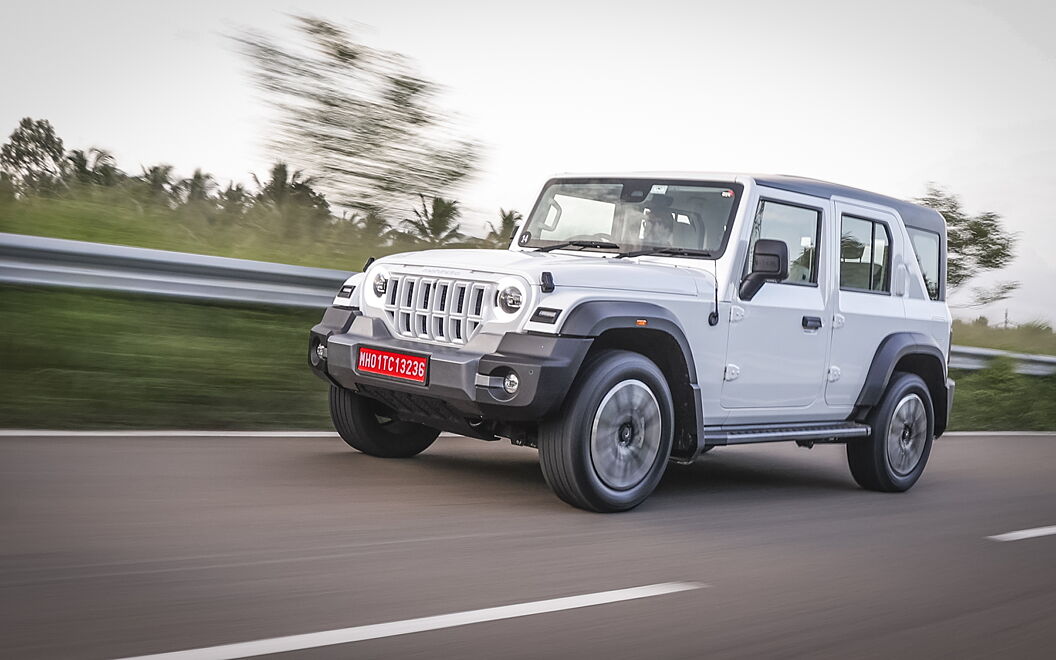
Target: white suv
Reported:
point(638, 319)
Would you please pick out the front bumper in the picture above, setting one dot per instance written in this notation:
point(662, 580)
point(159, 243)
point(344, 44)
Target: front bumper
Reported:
point(464, 382)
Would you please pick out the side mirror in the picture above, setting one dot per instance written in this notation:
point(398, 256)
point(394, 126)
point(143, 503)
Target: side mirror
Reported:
point(769, 264)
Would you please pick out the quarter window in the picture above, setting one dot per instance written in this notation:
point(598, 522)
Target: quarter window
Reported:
point(926, 248)
point(865, 255)
point(798, 227)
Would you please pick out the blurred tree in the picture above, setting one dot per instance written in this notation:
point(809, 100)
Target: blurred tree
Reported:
point(372, 228)
point(197, 188)
point(33, 157)
point(291, 201)
point(501, 236)
point(234, 200)
point(96, 167)
point(360, 117)
point(976, 244)
point(286, 193)
point(159, 182)
point(434, 225)
point(7, 188)
point(283, 189)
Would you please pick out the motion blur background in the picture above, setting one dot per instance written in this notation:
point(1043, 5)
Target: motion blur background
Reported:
point(318, 133)
point(196, 126)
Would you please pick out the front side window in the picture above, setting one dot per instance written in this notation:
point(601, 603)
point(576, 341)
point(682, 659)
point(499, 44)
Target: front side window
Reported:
point(635, 214)
point(926, 248)
point(865, 255)
point(798, 227)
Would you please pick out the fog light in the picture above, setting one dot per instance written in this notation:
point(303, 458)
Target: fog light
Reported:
point(510, 382)
point(320, 351)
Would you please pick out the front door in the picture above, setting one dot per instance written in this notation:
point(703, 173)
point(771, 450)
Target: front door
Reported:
point(778, 340)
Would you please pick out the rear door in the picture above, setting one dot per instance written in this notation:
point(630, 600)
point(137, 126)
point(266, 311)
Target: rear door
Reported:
point(866, 307)
point(778, 340)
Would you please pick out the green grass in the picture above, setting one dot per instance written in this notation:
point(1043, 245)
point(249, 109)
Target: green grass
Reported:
point(999, 399)
point(72, 359)
point(1036, 337)
point(107, 217)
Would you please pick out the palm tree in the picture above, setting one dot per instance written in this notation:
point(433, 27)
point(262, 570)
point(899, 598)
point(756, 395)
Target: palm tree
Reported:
point(198, 187)
point(160, 186)
point(291, 195)
point(79, 168)
point(500, 237)
point(233, 200)
point(435, 225)
point(373, 229)
point(97, 166)
point(289, 202)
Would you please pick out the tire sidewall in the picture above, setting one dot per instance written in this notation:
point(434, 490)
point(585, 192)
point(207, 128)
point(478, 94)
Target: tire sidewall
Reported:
point(901, 385)
point(355, 420)
point(610, 369)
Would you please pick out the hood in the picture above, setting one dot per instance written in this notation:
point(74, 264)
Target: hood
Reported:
point(590, 272)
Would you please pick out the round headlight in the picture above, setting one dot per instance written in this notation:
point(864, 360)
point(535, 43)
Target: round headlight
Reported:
point(381, 283)
point(511, 299)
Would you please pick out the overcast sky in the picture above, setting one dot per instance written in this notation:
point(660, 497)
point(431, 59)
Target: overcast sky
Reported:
point(880, 95)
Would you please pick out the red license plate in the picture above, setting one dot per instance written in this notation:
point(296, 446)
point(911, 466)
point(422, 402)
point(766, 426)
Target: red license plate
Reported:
point(414, 368)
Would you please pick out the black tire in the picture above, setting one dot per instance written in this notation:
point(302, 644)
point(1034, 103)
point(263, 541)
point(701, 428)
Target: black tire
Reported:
point(902, 425)
point(359, 424)
point(586, 469)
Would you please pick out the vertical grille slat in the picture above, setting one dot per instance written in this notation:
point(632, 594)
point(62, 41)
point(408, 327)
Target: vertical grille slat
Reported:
point(441, 310)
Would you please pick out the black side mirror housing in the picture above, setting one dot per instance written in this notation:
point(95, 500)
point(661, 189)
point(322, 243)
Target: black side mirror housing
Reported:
point(769, 264)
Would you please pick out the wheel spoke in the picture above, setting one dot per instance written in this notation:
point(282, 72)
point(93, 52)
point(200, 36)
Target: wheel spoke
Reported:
point(625, 436)
point(906, 435)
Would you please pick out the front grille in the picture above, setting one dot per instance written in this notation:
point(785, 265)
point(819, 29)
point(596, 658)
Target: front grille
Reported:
point(448, 311)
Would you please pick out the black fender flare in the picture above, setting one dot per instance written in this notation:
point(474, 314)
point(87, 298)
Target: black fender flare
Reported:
point(891, 350)
point(594, 317)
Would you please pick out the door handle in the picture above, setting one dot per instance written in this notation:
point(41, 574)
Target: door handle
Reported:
point(811, 322)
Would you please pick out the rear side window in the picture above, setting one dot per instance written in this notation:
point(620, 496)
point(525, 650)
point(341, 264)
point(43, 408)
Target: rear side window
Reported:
point(798, 227)
point(865, 255)
point(926, 248)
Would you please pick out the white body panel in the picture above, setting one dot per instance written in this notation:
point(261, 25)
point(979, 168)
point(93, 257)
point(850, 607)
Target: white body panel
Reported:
point(782, 372)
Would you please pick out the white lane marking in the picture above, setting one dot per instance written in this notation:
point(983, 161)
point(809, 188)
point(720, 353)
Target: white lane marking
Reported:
point(379, 630)
point(996, 434)
point(37, 433)
point(50, 433)
point(1021, 534)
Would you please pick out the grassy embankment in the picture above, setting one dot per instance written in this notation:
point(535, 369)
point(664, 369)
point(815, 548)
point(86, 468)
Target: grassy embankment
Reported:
point(118, 220)
point(76, 359)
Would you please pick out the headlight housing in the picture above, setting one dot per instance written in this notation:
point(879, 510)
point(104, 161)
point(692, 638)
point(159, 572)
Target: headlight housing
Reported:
point(511, 300)
point(381, 284)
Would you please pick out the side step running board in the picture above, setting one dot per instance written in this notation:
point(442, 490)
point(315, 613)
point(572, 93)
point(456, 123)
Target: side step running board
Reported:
point(747, 433)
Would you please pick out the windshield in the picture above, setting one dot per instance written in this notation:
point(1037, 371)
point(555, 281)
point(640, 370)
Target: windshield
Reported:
point(630, 215)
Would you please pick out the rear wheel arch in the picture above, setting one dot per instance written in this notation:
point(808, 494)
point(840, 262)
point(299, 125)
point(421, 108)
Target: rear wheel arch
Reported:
point(906, 352)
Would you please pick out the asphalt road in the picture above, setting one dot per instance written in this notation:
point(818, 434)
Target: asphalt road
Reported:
point(120, 546)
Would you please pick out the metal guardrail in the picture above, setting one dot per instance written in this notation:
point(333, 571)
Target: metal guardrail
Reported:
point(59, 262)
point(972, 358)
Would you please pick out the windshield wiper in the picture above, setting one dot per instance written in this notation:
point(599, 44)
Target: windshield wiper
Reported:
point(674, 251)
point(598, 245)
